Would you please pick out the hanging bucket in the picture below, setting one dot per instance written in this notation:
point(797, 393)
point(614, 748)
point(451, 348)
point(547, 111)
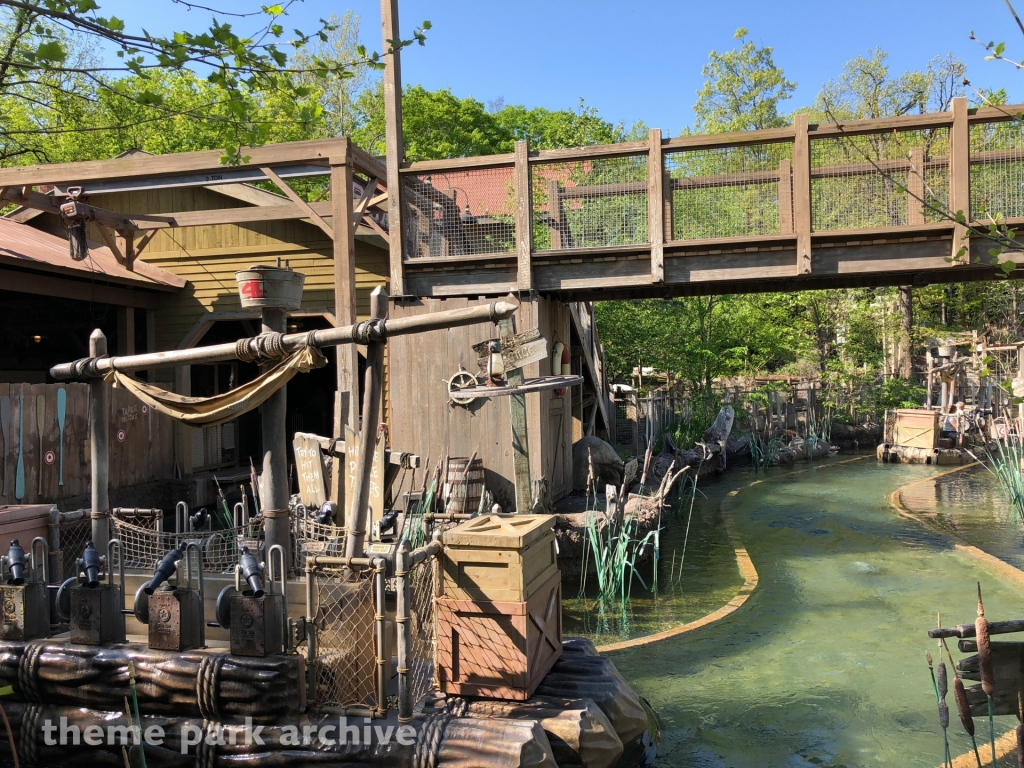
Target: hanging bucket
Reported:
point(276, 287)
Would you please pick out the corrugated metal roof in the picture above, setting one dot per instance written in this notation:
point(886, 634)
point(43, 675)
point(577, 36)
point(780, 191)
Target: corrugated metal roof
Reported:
point(24, 246)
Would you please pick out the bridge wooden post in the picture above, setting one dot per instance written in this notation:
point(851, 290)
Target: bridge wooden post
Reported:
point(960, 176)
point(802, 195)
point(655, 205)
point(916, 188)
point(393, 141)
point(347, 396)
point(524, 215)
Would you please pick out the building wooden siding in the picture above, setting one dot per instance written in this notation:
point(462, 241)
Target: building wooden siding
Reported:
point(426, 423)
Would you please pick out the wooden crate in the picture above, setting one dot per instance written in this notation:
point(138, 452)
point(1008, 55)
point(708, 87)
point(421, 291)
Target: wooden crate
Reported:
point(499, 650)
point(505, 559)
point(916, 428)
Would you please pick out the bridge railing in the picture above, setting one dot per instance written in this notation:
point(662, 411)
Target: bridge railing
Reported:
point(774, 188)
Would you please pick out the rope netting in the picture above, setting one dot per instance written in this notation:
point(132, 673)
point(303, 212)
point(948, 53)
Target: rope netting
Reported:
point(887, 179)
point(729, 192)
point(313, 538)
point(343, 619)
point(459, 213)
point(590, 203)
point(422, 668)
point(144, 547)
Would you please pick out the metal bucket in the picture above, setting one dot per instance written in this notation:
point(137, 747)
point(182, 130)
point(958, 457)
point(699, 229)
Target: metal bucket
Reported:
point(464, 495)
point(262, 286)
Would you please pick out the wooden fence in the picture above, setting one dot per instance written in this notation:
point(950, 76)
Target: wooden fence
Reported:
point(141, 443)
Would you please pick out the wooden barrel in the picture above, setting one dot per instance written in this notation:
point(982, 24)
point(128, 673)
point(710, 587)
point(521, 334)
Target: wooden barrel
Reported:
point(464, 496)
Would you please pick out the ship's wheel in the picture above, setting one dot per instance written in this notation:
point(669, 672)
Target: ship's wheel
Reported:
point(461, 380)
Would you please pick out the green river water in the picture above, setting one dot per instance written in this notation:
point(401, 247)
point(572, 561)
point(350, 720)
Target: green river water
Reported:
point(824, 665)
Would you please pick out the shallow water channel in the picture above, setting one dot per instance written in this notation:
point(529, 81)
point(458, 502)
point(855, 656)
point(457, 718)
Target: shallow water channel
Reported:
point(824, 665)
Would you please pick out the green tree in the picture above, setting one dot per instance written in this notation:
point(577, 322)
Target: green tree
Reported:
point(742, 89)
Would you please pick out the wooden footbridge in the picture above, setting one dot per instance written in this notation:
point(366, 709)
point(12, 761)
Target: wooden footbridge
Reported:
point(863, 203)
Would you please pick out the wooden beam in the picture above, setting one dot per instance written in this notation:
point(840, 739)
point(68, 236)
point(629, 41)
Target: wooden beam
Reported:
point(108, 238)
point(785, 196)
point(207, 218)
point(292, 195)
point(81, 290)
point(802, 195)
point(317, 151)
point(145, 240)
point(394, 140)
point(520, 438)
point(916, 188)
point(364, 200)
point(524, 216)
point(655, 205)
point(421, 167)
point(960, 177)
point(347, 403)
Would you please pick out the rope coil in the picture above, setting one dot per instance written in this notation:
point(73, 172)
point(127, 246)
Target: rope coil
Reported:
point(266, 347)
point(207, 686)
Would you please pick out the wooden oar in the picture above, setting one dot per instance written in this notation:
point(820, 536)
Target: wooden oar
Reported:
point(41, 428)
point(19, 472)
point(5, 426)
point(62, 407)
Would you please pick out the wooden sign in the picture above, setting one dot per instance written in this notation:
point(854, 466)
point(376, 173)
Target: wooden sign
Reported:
point(525, 348)
point(310, 470)
point(376, 494)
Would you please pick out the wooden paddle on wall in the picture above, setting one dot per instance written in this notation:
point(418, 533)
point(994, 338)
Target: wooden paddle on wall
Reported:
point(19, 472)
point(41, 428)
point(5, 426)
point(62, 409)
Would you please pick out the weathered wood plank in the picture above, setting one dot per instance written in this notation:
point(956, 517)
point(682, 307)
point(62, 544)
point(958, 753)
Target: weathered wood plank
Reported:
point(524, 216)
point(959, 173)
point(656, 205)
point(802, 195)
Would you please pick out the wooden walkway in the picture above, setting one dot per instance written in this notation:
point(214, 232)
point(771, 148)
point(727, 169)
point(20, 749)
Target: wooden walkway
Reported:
point(865, 203)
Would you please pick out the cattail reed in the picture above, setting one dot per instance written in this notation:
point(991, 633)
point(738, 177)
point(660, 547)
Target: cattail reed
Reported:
point(1020, 731)
point(988, 678)
point(963, 709)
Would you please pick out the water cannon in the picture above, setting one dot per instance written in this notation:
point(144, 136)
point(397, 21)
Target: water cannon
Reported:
point(90, 564)
point(24, 595)
point(16, 561)
point(167, 567)
point(200, 519)
point(386, 523)
point(326, 514)
point(249, 569)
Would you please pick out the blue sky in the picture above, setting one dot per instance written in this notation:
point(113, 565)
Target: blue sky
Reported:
point(641, 59)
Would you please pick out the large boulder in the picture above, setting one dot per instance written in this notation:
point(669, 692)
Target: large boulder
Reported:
point(609, 469)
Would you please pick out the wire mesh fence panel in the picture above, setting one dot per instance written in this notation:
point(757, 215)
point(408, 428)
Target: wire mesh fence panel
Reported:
point(73, 537)
point(313, 538)
point(459, 213)
point(888, 179)
point(730, 191)
point(144, 547)
point(423, 630)
point(590, 203)
point(997, 169)
point(343, 619)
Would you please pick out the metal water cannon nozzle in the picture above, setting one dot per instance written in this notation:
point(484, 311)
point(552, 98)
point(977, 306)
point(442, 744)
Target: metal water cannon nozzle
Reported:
point(168, 565)
point(200, 519)
point(250, 569)
point(91, 563)
point(16, 562)
point(326, 514)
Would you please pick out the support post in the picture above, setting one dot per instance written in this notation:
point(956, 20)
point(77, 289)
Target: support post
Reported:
point(802, 195)
point(347, 397)
point(960, 177)
point(394, 141)
point(99, 429)
point(383, 661)
point(403, 645)
point(668, 219)
point(786, 196)
point(274, 480)
point(520, 443)
point(524, 215)
point(656, 205)
point(916, 187)
point(359, 509)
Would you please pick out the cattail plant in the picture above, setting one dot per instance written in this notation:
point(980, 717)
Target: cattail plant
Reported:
point(962, 707)
point(988, 678)
point(1020, 730)
point(943, 707)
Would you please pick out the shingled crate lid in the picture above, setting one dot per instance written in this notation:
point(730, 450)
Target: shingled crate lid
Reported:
point(499, 531)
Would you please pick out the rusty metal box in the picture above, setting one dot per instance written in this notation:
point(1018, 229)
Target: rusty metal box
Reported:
point(96, 617)
point(256, 625)
point(916, 428)
point(499, 650)
point(500, 558)
point(26, 611)
point(175, 620)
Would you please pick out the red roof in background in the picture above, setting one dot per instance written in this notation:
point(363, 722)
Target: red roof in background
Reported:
point(27, 247)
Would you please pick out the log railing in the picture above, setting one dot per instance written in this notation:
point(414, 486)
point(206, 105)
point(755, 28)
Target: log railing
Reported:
point(776, 187)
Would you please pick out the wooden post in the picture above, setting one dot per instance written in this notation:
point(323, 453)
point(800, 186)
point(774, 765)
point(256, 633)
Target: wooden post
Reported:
point(347, 397)
point(372, 383)
point(928, 389)
point(126, 331)
point(656, 205)
point(520, 443)
point(668, 218)
point(394, 142)
point(785, 196)
point(916, 187)
point(960, 176)
point(524, 216)
point(555, 213)
point(99, 457)
point(274, 480)
point(802, 195)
